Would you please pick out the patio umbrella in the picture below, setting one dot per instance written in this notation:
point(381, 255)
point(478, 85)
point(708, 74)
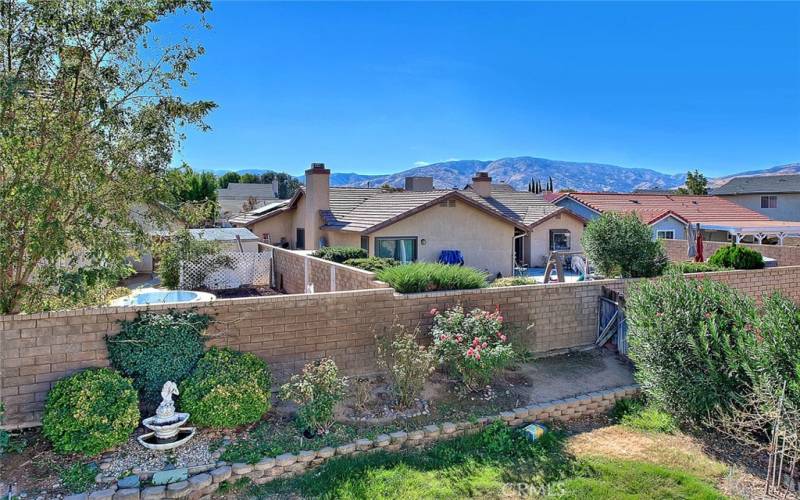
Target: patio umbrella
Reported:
point(699, 256)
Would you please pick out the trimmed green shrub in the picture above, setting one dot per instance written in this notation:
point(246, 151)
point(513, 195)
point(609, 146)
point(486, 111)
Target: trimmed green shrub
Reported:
point(227, 389)
point(622, 245)
point(340, 254)
point(430, 277)
point(737, 257)
point(691, 343)
point(687, 267)
point(372, 264)
point(90, 412)
point(316, 390)
point(512, 281)
point(78, 478)
point(154, 348)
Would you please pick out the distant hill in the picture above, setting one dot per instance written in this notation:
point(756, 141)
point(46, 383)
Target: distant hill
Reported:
point(520, 170)
point(789, 168)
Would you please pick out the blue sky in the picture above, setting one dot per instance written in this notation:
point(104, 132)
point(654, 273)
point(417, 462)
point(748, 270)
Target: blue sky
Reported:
point(380, 87)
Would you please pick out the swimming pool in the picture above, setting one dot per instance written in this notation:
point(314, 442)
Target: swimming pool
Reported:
point(148, 296)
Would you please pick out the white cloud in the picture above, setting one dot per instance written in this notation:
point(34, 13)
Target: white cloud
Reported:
point(421, 163)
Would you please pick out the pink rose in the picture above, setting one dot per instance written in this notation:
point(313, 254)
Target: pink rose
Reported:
point(502, 337)
point(434, 311)
point(459, 338)
point(478, 356)
point(470, 351)
point(484, 345)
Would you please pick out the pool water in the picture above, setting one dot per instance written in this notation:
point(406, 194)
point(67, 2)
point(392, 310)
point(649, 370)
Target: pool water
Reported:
point(163, 297)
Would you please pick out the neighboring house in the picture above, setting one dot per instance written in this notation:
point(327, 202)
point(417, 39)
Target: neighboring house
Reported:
point(243, 197)
point(776, 196)
point(670, 215)
point(227, 238)
point(491, 227)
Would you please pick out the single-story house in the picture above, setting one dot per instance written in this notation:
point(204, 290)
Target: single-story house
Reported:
point(240, 197)
point(775, 196)
point(670, 215)
point(493, 227)
point(228, 238)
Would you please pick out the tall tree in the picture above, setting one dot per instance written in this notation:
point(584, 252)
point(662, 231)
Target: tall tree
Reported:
point(696, 183)
point(89, 119)
point(227, 178)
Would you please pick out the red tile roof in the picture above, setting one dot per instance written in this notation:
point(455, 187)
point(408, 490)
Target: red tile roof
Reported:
point(651, 207)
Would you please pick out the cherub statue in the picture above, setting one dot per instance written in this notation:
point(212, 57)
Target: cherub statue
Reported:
point(167, 408)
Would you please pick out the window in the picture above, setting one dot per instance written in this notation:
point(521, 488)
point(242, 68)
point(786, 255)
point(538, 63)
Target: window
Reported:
point(665, 235)
point(300, 240)
point(769, 201)
point(560, 239)
point(402, 249)
point(365, 243)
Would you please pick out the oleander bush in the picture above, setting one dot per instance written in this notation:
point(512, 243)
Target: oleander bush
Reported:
point(473, 345)
point(154, 348)
point(316, 391)
point(90, 412)
point(737, 257)
point(622, 245)
point(687, 267)
point(512, 281)
point(372, 264)
point(407, 362)
point(429, 277)
point(227, 389)
point(340, 254)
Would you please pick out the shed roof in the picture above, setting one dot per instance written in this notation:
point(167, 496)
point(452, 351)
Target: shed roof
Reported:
point(223, 234)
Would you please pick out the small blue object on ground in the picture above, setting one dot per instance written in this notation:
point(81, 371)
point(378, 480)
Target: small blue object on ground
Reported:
point(534, 431)
point(170, 476)
point(452, 257)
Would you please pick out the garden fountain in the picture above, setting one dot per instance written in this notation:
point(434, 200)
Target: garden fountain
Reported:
point(166, 424)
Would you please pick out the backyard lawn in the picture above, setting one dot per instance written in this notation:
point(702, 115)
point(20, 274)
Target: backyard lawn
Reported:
point(603, 461)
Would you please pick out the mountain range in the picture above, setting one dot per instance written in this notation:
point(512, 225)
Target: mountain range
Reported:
point(519, 171)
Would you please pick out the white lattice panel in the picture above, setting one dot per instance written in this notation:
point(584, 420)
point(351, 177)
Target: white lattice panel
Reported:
point(226, 270)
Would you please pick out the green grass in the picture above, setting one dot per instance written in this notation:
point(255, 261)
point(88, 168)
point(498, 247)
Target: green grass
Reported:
point(78, 477)
point(636, 414)
point(627, 479)
point(496, 462)
point(430, 277)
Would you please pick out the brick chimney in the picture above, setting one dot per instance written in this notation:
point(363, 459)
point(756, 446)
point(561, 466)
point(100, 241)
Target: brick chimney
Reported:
point(317, 197)
point(482, 184)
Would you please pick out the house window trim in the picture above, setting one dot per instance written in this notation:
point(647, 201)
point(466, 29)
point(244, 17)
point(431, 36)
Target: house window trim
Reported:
point(769, 198)
point(559, 231)
point(659, 235)
point(378, 239)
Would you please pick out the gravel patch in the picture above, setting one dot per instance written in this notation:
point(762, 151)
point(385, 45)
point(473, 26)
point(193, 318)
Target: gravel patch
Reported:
point(133, 455)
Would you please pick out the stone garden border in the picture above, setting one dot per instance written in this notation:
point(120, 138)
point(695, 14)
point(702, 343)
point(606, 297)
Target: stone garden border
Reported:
point(206, 479)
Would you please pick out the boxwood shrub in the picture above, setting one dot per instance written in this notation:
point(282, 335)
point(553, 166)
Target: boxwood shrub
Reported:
point(687, 267)
point(340, 254)
point(227, 389)
point(512, 281)
point(429, 277)
point(737, 257)
point(372, 264)
point(154, 348)
point(90, 412)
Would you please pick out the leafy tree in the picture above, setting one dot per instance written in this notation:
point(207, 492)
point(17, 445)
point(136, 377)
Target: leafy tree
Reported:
point(88, 123)
point(622, 245)
point(227, 178)
point(248, 178)
point(696, 183)
point(191, 186)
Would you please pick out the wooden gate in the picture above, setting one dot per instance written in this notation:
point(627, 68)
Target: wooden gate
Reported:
point(611, 324)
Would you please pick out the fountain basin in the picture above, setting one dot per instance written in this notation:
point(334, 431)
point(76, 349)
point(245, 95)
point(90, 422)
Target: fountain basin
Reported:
point(152, 442)
point(166, 427)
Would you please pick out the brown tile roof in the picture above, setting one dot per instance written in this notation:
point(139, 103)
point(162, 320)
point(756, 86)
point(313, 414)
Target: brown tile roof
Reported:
point(650, 207)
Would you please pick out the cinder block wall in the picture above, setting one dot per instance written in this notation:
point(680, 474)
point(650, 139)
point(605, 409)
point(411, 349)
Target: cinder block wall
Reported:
point(786, 255)
point(290, 269)
point(291, 330)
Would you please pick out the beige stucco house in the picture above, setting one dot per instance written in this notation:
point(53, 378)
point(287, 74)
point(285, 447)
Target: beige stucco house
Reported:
point(492, 226)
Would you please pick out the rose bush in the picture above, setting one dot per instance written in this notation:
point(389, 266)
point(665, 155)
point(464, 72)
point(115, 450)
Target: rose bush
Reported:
point(473, 345)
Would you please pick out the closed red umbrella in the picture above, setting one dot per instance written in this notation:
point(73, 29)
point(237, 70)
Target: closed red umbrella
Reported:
point(699, 256)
